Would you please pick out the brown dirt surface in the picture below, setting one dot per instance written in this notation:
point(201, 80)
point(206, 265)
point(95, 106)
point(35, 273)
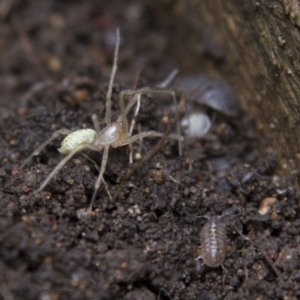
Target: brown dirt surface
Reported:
point(55, 64)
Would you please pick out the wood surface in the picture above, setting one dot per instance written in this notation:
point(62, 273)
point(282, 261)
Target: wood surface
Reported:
point(254, 45)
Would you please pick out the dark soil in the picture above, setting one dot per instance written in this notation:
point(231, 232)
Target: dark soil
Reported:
point(55, 63)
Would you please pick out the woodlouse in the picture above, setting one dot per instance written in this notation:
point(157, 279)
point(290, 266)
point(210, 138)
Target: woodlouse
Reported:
point(210, 92)
point(213, 242)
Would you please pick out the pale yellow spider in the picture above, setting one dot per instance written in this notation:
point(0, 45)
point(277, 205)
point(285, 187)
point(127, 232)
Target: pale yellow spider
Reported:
point(115, 134)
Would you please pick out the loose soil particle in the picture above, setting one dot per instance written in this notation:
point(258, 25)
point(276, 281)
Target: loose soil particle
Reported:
point(144, 244)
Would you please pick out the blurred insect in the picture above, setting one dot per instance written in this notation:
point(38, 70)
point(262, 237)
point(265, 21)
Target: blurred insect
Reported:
point(210, 92)
point(115, 134)
point(196, 125)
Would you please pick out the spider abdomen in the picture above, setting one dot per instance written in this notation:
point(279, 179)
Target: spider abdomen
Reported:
point(76, 138)
point(213, 243)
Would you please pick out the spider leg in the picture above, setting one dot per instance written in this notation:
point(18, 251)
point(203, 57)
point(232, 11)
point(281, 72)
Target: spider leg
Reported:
point(63, 162)
point(96, 123)
point(135, 114)
point(137, 95)
point(100, 177)
point(111, 81)
point(96, 166)
point(124, 111)
point(173, 95)
point(143, 135)
point(123, 117)
point(137, 109)
point(42, 146)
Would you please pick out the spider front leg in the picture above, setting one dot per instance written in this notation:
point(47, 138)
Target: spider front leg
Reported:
point(142, 135)
point(42, 146)
point(136, 99)
point(100, 177)
point(137, 109)
point(97, 168)
point(124, 111)
point(173, 95)
point(79, 148)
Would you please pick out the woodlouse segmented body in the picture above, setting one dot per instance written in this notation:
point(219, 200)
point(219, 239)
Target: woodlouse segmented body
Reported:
point(210, 92)
point(213, 242)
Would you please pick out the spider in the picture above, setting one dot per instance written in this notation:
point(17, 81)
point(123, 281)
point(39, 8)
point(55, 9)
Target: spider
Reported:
point(115, 134)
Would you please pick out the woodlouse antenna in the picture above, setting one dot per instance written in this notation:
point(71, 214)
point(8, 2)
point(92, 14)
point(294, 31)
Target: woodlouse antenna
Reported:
point(167, 81)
